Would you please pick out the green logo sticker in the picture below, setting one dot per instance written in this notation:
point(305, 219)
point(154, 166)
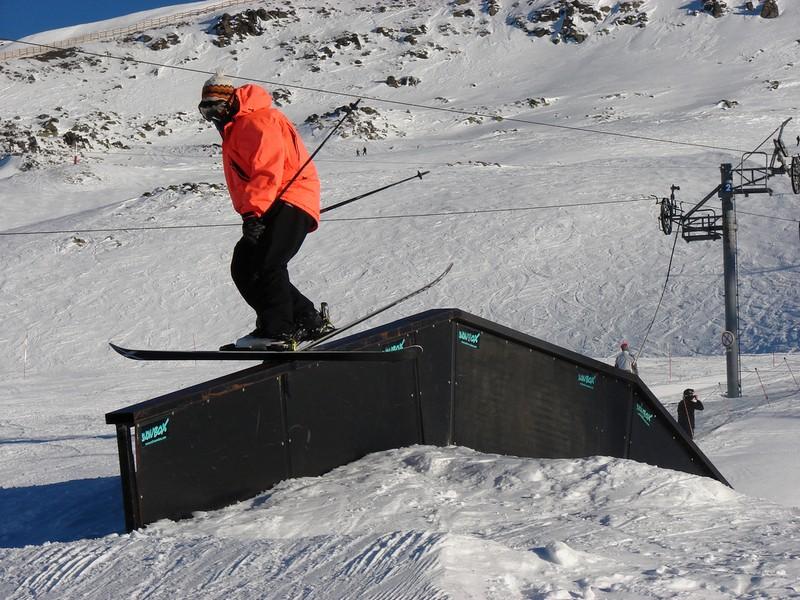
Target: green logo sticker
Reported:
point(587, 381)
point(644, 414)
point(396, 346)
point(154, 433)
point(469, 338)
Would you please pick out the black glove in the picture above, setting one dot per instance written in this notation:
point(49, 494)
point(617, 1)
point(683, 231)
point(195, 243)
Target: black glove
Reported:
point(252, 229)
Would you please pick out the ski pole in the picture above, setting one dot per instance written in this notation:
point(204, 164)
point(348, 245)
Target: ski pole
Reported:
point(419, 175)
point(688, 420)
point(349, 111)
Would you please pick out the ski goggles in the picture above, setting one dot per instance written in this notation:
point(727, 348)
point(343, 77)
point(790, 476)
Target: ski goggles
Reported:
point(213, 110)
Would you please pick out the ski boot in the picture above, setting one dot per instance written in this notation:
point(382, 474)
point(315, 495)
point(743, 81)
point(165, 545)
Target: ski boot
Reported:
point(258, 340)
point(314, 325)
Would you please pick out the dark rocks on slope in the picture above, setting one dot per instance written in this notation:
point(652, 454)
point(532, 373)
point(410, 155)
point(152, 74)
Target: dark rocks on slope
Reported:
point(73, 139)
point(242, 25)
point(716, 7)
point(49, 127)
point(365, 123)
point(346, 39)
point(56, 55)
point(391, 81)
point(163, 43)
point(281, 96)
point(565, 20)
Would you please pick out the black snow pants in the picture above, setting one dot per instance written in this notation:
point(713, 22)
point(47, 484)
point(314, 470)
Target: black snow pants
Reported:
point(261, 275)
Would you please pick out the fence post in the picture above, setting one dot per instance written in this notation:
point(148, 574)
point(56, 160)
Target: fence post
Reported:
point(791, 373)
point(762, 384)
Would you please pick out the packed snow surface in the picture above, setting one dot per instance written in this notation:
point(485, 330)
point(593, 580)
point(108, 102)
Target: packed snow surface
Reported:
point(551, 224)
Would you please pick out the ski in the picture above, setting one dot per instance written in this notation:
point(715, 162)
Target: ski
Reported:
point(305, 352)
point(273, 355)
point(377, 311)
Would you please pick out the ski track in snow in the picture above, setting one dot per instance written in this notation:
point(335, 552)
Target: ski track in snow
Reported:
point(420, 522)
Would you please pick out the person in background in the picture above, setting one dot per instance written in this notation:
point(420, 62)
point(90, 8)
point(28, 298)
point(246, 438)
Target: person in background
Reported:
point(625, 360)
point(686, 408)
point(276, 191)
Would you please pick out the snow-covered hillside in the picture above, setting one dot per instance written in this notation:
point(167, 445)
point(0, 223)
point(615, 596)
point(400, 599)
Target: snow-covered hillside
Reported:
point(137, 129)
point(544, 151)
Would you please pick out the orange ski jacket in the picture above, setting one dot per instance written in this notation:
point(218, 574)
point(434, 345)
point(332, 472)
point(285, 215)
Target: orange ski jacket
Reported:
point(261, 152)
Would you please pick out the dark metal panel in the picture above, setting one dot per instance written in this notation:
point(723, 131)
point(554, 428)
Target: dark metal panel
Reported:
point(655, 440)
point(502, 392)
point(209, 454)
point(336, 415)
point(433, 373)
point(127, 472)
point(435, 382)
point(513, 399)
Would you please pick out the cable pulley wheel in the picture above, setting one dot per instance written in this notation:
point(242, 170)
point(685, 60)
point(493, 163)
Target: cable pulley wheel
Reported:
point(794, 174)
point(665, 219)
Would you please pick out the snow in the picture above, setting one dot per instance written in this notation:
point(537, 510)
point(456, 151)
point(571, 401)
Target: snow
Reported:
point(427, 522)
point(418, 522)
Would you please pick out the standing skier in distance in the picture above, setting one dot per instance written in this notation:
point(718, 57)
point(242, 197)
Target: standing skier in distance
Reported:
point(261, 153)
point(625, 360)
point(686, 408)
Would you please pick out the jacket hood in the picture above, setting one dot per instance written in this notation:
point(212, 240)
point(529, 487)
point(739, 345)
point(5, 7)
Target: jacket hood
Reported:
point(253, 97)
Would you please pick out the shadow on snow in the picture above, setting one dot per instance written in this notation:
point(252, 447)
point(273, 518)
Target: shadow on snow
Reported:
point(60, 512)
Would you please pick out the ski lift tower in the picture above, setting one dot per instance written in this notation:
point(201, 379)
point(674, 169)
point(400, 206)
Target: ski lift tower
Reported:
point(701, 223)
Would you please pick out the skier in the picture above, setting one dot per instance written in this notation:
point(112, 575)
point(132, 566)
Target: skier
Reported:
point(686, 408)
point(261, 153)
point(625, 360)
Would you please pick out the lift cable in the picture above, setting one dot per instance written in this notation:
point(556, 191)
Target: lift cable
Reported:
point(340, 219)
point(663, 291)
